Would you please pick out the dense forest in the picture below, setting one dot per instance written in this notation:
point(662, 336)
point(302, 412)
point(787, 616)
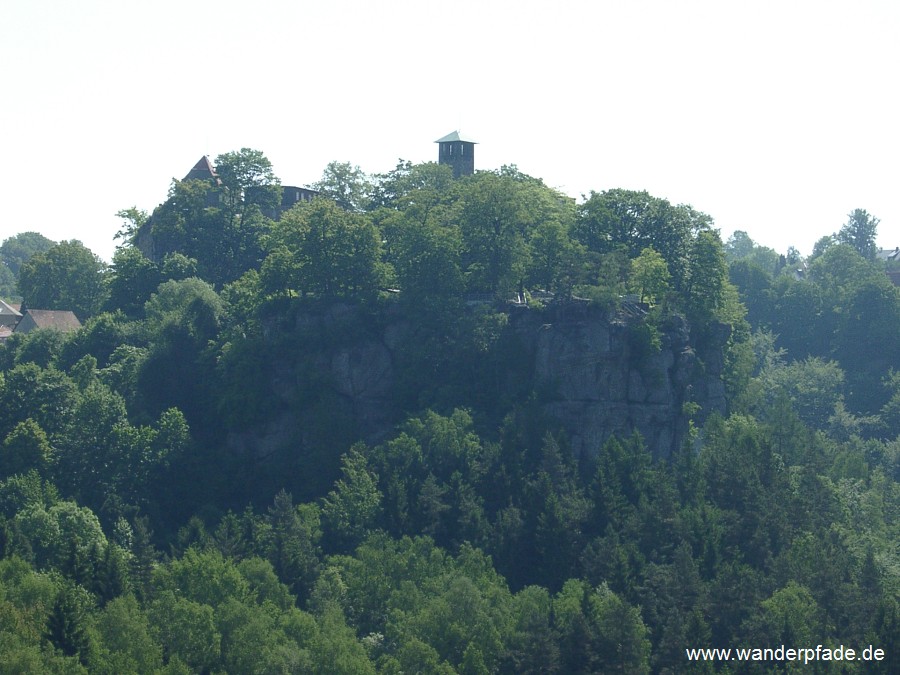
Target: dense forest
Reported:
point(201, 480)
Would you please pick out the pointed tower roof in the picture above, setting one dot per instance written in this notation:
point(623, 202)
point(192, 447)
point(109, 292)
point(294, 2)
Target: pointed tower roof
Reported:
point(456, 136)
point(9, 316)
point(6, 309)
point(203, 170)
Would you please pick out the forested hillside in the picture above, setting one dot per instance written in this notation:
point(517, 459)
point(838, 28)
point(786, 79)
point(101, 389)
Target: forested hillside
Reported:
point(437, 425)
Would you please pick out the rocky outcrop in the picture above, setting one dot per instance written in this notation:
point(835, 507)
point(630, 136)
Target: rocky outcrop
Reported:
point(338, 370)
point(597, 374)
point(605, 376)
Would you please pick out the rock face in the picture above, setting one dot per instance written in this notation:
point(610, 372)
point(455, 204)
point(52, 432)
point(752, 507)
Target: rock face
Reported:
point(598, 375)
point(340, 370)
point(606, 378)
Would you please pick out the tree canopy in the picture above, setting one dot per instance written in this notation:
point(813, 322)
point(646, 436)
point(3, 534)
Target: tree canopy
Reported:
point(859, 232)
point(67, 276)
point(376, 433)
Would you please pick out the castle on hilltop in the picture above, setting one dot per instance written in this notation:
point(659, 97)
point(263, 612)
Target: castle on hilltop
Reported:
point(455, 150)
point(290, 194)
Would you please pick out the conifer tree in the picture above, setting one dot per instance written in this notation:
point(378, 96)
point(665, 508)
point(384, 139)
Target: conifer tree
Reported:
point(144, 556)
point(65, 626)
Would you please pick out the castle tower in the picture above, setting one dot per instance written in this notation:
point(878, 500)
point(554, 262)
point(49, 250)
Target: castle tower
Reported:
point(205, 171)
point(458, 152)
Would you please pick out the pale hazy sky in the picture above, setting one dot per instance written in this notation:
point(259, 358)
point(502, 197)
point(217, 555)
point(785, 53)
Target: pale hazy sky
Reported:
point(777, 118)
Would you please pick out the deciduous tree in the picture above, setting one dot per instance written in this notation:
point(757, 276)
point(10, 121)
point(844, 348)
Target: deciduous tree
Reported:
point(16, 250)
point(337, 253)
point(707, 277)
point(25, 448)
point(346, 185)
point(860, 232)
point(133, 219)
point(66, 276)
point(132, 279)
point(494, 224)
point(636, 220)
point(248, 180)
point(650, 276)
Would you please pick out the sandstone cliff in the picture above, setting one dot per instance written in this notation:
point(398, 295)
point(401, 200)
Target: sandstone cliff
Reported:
point(595, 373)
point(607, 380)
